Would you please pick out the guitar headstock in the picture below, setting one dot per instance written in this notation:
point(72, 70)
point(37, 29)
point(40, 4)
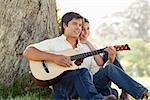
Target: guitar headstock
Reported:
point(122, 47)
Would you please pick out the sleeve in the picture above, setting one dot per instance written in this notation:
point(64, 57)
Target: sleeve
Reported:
point(45, 45)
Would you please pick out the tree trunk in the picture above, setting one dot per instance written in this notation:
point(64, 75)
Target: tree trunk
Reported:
point(23, 22)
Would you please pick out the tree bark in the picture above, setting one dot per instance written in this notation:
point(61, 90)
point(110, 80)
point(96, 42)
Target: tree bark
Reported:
point(23, 22)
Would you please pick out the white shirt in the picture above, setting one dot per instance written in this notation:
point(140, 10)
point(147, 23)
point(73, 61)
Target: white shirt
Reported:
point(60, 44)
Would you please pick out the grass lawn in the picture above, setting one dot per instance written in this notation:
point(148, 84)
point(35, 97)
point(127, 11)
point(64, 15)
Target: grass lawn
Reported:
point(46, 95)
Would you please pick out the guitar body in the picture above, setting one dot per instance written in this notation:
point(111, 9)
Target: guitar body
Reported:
point(55, 70)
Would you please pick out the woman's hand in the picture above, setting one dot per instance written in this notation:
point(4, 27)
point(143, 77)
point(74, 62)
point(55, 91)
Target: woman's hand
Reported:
point(111, 53)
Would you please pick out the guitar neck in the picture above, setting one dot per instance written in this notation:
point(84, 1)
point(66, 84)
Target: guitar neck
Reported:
point(95, 52)
point(87, 54)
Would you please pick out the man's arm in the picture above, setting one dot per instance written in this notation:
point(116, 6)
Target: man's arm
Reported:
point(32, 53)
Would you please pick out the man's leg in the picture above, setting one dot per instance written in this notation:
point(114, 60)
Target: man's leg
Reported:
point(85, 86)
point(79, 81)
point(64, 87)
point(121, 79)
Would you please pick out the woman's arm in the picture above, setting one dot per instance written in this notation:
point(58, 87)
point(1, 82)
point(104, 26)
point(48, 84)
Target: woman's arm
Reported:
point(98, 58)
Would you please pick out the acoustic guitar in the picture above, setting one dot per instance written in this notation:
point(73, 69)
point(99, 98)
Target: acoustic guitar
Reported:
point(47, 71)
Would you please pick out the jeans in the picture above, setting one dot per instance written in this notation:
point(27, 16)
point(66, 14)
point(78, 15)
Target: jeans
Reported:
point(76, 81)
point(120, 78)
point(107, 90)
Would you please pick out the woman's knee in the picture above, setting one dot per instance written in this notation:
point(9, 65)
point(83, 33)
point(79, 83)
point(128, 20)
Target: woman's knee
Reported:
point(110, 66)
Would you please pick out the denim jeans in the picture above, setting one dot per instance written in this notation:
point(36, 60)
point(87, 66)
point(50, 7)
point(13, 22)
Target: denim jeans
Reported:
point(76, 81)
point(120, 78)
point(107, 90)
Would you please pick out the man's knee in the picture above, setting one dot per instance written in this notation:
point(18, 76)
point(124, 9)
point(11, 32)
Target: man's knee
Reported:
point(83, 70)
point(82, 73)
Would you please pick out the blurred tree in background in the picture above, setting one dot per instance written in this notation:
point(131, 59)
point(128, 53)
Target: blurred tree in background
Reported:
point(131, 26)
point(131, 23)
point(137, 61)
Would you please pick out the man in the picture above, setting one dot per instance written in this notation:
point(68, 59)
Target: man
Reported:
point(76, 80)
point(113, 71)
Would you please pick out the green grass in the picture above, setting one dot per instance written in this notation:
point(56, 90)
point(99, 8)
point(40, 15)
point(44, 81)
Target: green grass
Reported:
point(27, 97)
point(35, 94)
point(20, 90)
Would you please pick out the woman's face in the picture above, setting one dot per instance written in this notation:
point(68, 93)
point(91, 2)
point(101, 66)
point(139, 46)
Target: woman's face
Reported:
point(85, 32)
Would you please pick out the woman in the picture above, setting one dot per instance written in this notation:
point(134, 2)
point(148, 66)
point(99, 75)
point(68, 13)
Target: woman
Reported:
point(103, 84)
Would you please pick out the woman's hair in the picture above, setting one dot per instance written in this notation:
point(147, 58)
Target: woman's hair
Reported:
point(86, 20)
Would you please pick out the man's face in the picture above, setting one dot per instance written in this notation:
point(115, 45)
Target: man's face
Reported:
point(85, 32)
point(74, 28)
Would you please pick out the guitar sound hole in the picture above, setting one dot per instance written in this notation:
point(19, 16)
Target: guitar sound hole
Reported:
point(45, 67)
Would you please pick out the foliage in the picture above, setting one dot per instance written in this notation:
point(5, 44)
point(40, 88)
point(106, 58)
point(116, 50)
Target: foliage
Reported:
point(130, 23)
point(129, 26)
point(138, 59)
point(59, 23)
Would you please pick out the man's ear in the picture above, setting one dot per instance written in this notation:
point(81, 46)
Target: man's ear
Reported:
point(64, 25)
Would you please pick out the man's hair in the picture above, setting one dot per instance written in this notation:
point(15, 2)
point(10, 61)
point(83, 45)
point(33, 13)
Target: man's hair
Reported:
point(68, 17)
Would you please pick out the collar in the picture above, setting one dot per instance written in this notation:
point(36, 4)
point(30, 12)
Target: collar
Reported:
point(64, 38)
